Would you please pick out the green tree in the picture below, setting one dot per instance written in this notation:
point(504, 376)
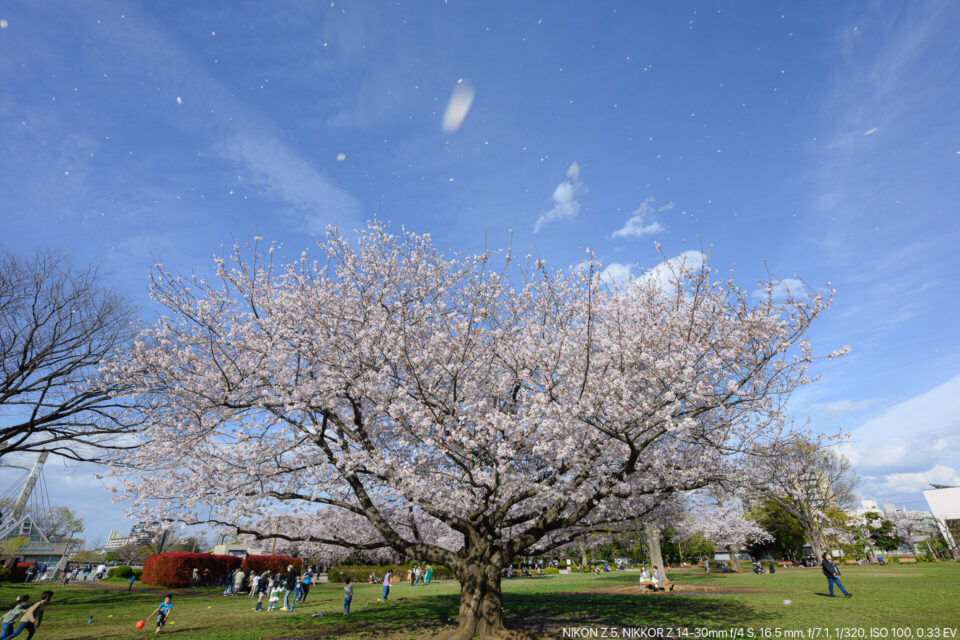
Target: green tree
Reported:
point(10, 548)
point(788, 534)
point(881, 532)
point(60, 524)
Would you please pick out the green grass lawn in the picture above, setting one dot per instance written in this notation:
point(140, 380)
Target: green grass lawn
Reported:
point(921, 596)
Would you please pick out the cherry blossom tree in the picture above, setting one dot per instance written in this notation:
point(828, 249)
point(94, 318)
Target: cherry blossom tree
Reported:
point(459, 409)
point(810, 480)
point(726, 526)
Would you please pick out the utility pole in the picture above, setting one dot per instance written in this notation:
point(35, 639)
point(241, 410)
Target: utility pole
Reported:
point(21, 504)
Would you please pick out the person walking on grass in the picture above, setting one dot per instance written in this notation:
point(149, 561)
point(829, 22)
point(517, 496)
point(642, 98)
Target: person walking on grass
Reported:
point(833, 575)
point(131, 580)
point(163, 611)
point(11, 616)
point(305, 583)
point(347, 596)
point(386, 584)
point(31, 618)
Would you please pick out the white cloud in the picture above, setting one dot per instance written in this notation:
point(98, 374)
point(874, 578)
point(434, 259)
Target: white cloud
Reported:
point(616, 273)
point(786, 288)
point(665, 275)
point(910, 445)
point(668, 273)
point(899, 483)
point(642, 221)
point(565, 204)
point(915, 434)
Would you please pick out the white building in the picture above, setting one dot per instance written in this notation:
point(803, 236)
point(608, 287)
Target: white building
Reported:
point(945, 505)
point(37, 548)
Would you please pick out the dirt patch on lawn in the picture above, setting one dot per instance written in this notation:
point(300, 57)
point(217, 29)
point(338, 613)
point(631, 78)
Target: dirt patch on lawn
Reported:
point(679, 589)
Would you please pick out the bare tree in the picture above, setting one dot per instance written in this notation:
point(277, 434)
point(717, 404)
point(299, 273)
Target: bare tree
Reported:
point(809, 481)
point(60, 524)
point(57, 323)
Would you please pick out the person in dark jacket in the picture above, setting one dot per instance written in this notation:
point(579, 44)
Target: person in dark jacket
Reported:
point(833, 574)
point(289, 584)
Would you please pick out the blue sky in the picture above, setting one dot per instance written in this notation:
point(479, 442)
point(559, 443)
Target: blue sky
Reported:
point(820, 140)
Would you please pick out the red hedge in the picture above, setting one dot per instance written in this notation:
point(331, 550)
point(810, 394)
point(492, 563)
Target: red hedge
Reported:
point(18, 573)
point(276, 564)
point(175, 568)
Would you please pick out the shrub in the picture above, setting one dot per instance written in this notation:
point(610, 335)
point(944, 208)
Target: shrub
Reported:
point(175, 569)
point(275, 564)
point(553, 571)
point(19, 572)
point(122, 571)
point(5, 575)
point(361, 573)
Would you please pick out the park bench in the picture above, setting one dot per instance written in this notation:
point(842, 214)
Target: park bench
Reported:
point(784, 563)
point(908, 560)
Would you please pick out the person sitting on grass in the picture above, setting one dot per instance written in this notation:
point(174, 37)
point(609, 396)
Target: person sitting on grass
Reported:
point(31, 618)
point(163, 611)
point(11, 616)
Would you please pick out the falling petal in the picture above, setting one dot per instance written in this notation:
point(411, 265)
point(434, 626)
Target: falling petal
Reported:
point(458, 107)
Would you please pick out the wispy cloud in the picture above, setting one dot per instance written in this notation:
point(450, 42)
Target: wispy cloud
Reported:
point(286, 175)
point(642, 221)
point(783, 289)
point(565, 203)
point(839, 408)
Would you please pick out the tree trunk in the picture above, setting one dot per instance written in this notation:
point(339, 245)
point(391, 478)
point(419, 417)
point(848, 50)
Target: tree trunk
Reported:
point(734, 561)
point(481, 606)
point(651, 532)
point(817, 548)
point(583, 552)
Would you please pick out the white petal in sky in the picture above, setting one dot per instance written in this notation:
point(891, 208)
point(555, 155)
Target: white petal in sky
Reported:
point(341, 157)
point(3, 24)
point(179, 100)
point(457, 108)
point(869, 131)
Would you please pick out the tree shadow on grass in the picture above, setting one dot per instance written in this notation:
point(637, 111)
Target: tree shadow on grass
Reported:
point(540, 614)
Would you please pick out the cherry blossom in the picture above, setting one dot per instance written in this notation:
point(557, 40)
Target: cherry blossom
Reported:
point(457, 409)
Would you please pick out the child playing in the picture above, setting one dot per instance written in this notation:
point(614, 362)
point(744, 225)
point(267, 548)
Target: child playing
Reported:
point(162, 611)
point(11, 616)
point(32, 617)
point(274, 597)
